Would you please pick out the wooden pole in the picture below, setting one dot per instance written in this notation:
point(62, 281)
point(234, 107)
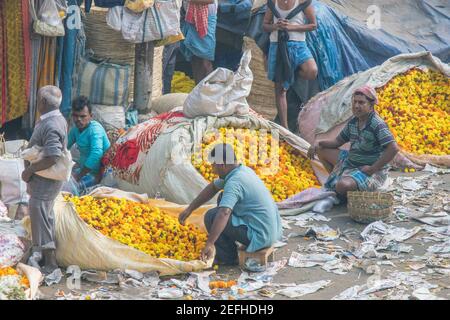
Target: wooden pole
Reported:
point(143, 76)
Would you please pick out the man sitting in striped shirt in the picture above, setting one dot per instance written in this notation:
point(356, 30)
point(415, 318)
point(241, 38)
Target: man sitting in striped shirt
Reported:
point(372, 146)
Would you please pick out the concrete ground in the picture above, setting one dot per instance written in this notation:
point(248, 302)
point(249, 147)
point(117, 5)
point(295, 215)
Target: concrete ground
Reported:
point(339, 220)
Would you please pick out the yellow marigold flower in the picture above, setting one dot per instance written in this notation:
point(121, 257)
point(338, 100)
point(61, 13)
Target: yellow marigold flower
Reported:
point(416, 106)
point(141, 226)
point(282, 168)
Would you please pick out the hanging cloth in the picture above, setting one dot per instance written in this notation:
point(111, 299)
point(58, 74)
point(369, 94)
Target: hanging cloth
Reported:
point(15, 54)
point(197, 14)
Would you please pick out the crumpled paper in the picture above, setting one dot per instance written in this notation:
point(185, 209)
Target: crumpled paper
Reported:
point(386, 237)
point(170, 293)
point(304, 289)
point(425, 294)
point(54, 277)
point(298, 260)
point(255, 281)
point(440, 248)
point(323, 233)
point(362, 292)
point(304, 219)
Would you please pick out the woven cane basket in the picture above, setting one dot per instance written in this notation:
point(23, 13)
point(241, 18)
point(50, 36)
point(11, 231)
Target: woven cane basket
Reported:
point(367, 207)
point(262, 95)
point(107, 43)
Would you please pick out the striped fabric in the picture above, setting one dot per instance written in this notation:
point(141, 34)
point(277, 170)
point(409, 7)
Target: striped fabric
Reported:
point(46, 69)
point(363, 181)
point(14, 62)
point(104, 83)
point(2, 65)
point(197, 14)
point(366, 145)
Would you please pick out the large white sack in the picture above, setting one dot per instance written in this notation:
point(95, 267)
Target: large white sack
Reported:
point(168, 102)
point(167, 171)
point(110, 117)
point(60, 171)
point(222, 93)
point(13, 188)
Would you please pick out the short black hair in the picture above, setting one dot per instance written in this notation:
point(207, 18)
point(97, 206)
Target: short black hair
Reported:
point(222, 153)
point(79, 103)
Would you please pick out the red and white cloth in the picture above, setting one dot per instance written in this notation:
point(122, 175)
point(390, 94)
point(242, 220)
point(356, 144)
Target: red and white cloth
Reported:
point(197, 14)
point(127, 155)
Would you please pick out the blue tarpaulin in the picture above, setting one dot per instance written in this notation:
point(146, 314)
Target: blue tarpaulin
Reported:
point(234, 15)
point(344, 44)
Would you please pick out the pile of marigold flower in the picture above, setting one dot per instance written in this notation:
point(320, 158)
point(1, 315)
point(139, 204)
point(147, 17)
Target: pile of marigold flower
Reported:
point(141, 226)
point(283, 169)
point(416, 106)
point(181, 83)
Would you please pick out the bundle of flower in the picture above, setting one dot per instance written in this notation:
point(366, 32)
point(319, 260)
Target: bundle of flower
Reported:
point(181, 83)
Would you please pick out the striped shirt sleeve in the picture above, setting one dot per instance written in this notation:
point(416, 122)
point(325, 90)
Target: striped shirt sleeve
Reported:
point(383, 134)
point(345, 133)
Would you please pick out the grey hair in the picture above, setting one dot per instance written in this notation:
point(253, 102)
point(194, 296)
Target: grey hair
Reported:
point(52, 96)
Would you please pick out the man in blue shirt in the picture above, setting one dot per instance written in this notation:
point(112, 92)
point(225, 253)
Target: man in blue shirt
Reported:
point(91, 140)
point(255, 220)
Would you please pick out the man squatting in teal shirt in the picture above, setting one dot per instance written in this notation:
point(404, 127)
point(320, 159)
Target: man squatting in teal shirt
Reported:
point(246, 211)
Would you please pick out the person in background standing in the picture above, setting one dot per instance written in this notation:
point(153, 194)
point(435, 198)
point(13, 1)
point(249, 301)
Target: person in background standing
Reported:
point(293, 25)
point(199, 29)
point(50, 133)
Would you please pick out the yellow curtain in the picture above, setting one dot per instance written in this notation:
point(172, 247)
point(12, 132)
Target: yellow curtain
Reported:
point(47, 64)
point(16, 105)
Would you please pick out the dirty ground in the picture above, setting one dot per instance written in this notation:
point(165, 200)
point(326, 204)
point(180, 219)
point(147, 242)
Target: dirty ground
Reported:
point(402, 270)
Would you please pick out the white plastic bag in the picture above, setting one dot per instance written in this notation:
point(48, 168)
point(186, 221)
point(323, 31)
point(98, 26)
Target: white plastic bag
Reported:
point(156, 23)
point(138, 5)
point(110, 117)
point(13, 188)
point(48, 22)
point(48, 13)
point(114, 18)
point(222, 93)
point(325, 205)
point(61, 170)
point(14, 147)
